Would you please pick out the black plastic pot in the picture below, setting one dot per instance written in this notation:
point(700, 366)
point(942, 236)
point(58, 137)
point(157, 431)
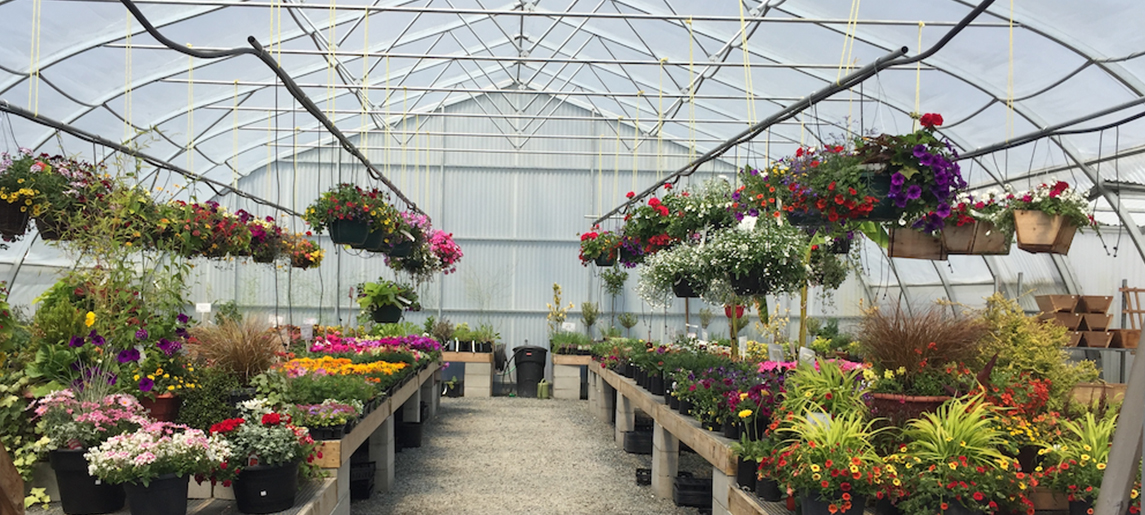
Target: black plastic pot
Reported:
point(673, 402)
point(638, 442)
point(884, 506)
point(80, 492)
point(485, 347)
point(401, 250)
point(604, 261)
point(749, 284)
point(686, 407)
point(768, 490)
point(643, 477)
point(746, 470)
point(656, 384)
point(684, 289)
point(165, 495)
point(408, 434)
point(264, 489)
point(387, 314)
point(376, 241)
point(465, 346)
point(730, 429)
point(362, 480)
point(814, 505)
point(454, 390)
point(349, 232)
point(630, 371)
point(328, 432)
point(695, 492)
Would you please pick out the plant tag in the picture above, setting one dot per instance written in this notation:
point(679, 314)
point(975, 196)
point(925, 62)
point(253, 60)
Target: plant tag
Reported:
point(262, 493)
point(308, 332)
point(774, 352)
point(743, 346)
point(692, 336)
point(98, 482)
point(568, 326)
point(704, 335)
point(820, 418)
point(202, 307)
point(806, 356)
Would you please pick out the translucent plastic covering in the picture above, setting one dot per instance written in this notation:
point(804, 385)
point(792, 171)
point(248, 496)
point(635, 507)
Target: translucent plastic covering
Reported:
point(410, 82)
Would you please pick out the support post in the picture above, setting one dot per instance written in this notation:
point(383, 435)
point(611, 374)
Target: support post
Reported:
point(721, 485)
point(665, 460)
point(411, 410)
point(382, 454)
point(1125, 454)
point(606, 403)
point(626, 418)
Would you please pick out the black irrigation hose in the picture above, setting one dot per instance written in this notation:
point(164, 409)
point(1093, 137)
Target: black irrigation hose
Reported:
point(860, 75)
point(258, 51)
point(154, 161)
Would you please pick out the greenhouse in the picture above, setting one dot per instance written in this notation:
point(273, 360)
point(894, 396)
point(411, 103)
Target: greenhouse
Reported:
point(564, 256)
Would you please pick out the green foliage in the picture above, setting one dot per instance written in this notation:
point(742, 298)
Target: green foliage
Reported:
point(628, 320)
point(395, 330)
point(273, 386)
point(613, 279)
point(827, 387)
point(385, 293)
point(208, 403)
point(228, 310)
point(706, 317)
point(17, 431)
point(442, 331)
point(589, 312)
point(1084, 449)
point(313, 389)
point(1024, 343)
point(562, 339)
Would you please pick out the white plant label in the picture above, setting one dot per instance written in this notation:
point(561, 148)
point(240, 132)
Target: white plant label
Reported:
point(806, 356)
point(568, 326)
point(202, 307)
point(774, 352)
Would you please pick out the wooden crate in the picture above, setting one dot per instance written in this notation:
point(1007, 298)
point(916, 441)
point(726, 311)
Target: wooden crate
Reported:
point(1052, 303)
point(1071, 321)
point(1075, 339)
point(1096, 339)
point(1094, 304)
point(1089, 393)
point(1095, 321)
point(1125, 338)
point(912, 244)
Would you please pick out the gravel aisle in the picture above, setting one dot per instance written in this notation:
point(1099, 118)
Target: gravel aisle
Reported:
point(510, 455)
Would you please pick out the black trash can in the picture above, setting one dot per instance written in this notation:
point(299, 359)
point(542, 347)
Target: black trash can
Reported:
point(530, 369)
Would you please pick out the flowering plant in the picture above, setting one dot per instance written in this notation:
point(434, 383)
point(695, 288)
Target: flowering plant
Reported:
point(1058, 198)
point(646, 228)
point(206, 229)
point(990, 206)
point(262, 437)
point(924, 177)
point(72, 422)
point(352, 203)
point(1075, 464)
point(953, 456)
point(372, 371)
point(447, 252)
point(303, 252)
point(154, 450)
point(595, 244)
point(832, 459)
point(330, 413)
point(18, 181)
point(267, 240)
point(694, 212)
point(662, 270)
point(757, 247)
point(828, 182)
point(334, 344)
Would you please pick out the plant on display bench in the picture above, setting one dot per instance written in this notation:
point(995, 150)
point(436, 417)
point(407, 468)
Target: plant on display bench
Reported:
point(154, 450)
point(261, 436)
point(1075, 465)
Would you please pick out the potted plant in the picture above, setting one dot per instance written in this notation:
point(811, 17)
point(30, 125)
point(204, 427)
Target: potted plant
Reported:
point(599, 247)
point(267, 240)
point(1075, 464)
point(568, 342)
point(326, 421)
point(951, 463)
point(484, 337)
point(18, 192)
point(65, 187)
point(445, 250)
point(266, 451)
point(385, 300)
point(917, 359)
point(696, 212)
point(242, 349)
point(757, 256)
point(303, 252)
point(679, 271)
point(973, 226)
point(154, 464)
point(75, 420)
point(351, 214)
point(827, 187)
point(831, 462)
point(645, 231)
point(1046, 219)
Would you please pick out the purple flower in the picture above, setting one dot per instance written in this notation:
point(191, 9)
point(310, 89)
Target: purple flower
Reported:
point(128, 356)
point(169, 347)
point(183, 318)
point(181, 332)
point(141, 334)
point(146, 384)
point(96, 339)
point(900, 202)
point(943, 210)
point(753, 212)
point(736, 196)
point(897, 179)
point(76, 341)
point(920, 150)
point(913, 192)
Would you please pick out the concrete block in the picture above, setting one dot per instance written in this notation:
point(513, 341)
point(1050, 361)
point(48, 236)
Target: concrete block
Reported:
point(567, 371)
point(665, 460)
point(478, 392)
point(224, 492)
point(625, 418)
point(382, 454)
point(411, 410)
point(721, 483)
point(566, 393)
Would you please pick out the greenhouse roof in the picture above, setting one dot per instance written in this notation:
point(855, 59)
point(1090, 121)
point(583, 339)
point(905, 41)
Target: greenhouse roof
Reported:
point(696, 73)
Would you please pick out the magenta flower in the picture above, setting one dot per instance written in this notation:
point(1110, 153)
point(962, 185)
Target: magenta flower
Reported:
point(141, 334)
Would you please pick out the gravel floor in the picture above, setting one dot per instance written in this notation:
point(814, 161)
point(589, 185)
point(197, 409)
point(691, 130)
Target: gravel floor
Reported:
point(510, 455)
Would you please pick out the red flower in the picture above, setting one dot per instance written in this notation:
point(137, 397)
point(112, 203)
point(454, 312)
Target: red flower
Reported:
point(930, 121)
point(271, 419)
point(667, 185)
point(845, 486)
point(824, 484)
point(630, 194)
point(944, 506)
point(978, 496)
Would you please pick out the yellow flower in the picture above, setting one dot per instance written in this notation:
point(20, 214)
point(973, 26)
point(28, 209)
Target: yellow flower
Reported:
point(897, 482)
point(166, 376)
point(901, 370)
point(814, 468)
point(745, 413)
point(136, 377)
point(1133, 493)
point(952, 465)
point(1087, 447)
point(169, 388)
point(889, 374)
point(1100, 466)
point(816, 476)
point(19, 181)
point(1084, 457)
point(158, 371)
point(742, 396)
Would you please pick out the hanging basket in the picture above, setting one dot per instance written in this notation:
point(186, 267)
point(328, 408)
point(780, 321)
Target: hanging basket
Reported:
point(13, 222)
point(989, 241)
point(1040, 233)
point(806, 219)
point(604, 260)
point(959, 239)
point(749, 284)
point(840, 246)
point(684, 289)
point(349, 232)
point(879, 186)
point(50, 230)
point(909, 243)
point(376, 241)
point(387, 314)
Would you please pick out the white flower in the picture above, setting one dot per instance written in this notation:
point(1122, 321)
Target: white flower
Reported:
point(748, 223)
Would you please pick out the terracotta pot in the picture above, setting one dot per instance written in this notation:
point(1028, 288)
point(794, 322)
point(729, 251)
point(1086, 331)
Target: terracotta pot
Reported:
point(899, 408)
point(164, 408)
point(909, 243)
point(1040, 233)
